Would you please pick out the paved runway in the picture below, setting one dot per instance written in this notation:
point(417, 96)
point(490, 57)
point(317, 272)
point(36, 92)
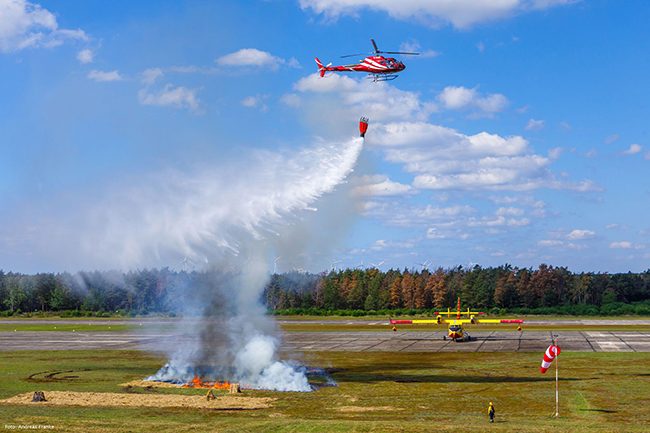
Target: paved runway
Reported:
point(411, 341)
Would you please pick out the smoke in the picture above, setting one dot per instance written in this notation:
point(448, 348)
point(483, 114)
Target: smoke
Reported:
point(230, 218)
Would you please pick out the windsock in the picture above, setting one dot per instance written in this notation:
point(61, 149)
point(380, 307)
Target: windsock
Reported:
point(549, 356)
point(363, 126)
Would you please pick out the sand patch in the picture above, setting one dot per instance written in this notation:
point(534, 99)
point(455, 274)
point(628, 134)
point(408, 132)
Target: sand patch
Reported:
point(150, 384)
point(365, 409)
point(104, 399)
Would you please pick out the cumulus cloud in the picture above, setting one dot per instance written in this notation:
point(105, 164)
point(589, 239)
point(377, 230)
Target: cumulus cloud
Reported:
point(149, 76)
point(85, 56)
point(100, 76)
point(378, 101)
point(28, 25)
point(612, 138)
point(626, 245)
point(252, 57)
point(444, 159)
point(179, 97)
point(291, 100)
point(461, 98)
point(509, 211)
point(414, 46)
point(534, 125)
point(378, 186)
point(461, 14)
point(580, 234)
point(634, 149)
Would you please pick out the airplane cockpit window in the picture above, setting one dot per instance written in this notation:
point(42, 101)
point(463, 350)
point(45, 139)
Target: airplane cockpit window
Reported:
point(454, 328)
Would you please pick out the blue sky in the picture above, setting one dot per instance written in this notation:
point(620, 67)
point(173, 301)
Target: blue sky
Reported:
point(518, 136)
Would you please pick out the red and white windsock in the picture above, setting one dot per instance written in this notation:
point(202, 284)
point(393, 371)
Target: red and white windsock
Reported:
point(549, 356)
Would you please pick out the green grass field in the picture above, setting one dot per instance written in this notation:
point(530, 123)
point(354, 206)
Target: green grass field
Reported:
point(377, 392)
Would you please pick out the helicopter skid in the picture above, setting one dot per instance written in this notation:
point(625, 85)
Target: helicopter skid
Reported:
point(382, 77)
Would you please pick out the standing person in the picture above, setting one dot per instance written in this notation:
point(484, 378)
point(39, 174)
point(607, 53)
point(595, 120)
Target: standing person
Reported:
point(491, 412)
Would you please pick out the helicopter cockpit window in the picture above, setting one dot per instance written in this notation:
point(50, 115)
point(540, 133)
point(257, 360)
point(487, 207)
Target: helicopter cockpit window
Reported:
point(390, 63)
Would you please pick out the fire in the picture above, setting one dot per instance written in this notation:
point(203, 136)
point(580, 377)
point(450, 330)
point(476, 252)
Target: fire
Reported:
point(200, 383)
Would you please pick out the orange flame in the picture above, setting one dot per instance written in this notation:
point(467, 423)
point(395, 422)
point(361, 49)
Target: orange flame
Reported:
point(200, 383)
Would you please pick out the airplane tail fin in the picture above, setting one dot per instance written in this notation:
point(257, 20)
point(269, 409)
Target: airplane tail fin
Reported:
point(321, 68)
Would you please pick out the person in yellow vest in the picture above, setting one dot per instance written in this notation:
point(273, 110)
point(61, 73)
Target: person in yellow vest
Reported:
point(491, 412)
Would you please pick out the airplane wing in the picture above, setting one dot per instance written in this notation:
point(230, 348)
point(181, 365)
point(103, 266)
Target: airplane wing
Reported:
point(409, 322)
point(496, 321)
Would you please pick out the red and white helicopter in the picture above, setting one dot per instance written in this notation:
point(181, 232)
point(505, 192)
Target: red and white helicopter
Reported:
point(378, 67)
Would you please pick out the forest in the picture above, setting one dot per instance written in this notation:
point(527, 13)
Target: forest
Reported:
point(496, 290)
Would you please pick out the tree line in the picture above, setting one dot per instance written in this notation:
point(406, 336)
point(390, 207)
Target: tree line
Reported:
point(546, 289)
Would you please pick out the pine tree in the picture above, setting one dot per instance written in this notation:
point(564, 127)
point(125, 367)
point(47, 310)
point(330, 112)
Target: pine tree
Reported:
point(396, 293)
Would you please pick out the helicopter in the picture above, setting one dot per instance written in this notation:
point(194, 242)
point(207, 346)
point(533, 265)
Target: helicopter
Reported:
point(378, 67)
point(455, 329)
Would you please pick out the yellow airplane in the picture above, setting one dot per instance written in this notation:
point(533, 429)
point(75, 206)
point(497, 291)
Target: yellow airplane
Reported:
point(455, 330)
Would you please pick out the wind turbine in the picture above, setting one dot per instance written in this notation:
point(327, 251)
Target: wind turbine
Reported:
point(363, 253)
point(184, 264)
point(377, 265)
point(425, 265)
point(275, 264)
point(333, 264)
point(471, 265)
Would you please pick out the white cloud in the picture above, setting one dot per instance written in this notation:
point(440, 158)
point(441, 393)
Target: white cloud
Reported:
point(445, 159)
point(612, 138)
point(498, 254)
point(634, 149)
point(461, 14)
point(462, 98)
point(85, 56)
point(254, 58)
point(291, 100)
point(509, 211)
point(149, 76)
point(646, 155)
point(179, 97)
point(100, 76)
point(413, 46)
point(498, 222)
point(549, 243)
point(480, 46)
point(565, 126)
point(534, 125)
point(382, 244)
point(28, 25)
point(580, 234)
point(378, 185)
point(626, 245)
point(378, 101)
point(593, 152)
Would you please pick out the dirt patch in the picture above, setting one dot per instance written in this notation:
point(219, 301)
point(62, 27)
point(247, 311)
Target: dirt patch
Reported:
point(366, 409)
point(104, 399)
point(149, 384)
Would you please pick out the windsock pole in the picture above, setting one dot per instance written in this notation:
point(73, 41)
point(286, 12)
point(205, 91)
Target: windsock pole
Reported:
point(557, 393)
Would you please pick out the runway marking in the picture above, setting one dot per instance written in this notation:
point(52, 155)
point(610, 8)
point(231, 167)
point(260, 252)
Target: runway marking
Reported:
point(624, 342)
point(611, 346)
point(588, 341)
point(484, 340)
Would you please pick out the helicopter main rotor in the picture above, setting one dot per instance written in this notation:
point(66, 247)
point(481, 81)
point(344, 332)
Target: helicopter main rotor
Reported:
point(378, 51)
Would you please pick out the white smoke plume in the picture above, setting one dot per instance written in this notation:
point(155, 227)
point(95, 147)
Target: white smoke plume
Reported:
point(228, 218)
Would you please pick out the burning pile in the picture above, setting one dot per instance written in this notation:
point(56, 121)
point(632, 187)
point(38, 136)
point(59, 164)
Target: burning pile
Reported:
point(215, 384)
